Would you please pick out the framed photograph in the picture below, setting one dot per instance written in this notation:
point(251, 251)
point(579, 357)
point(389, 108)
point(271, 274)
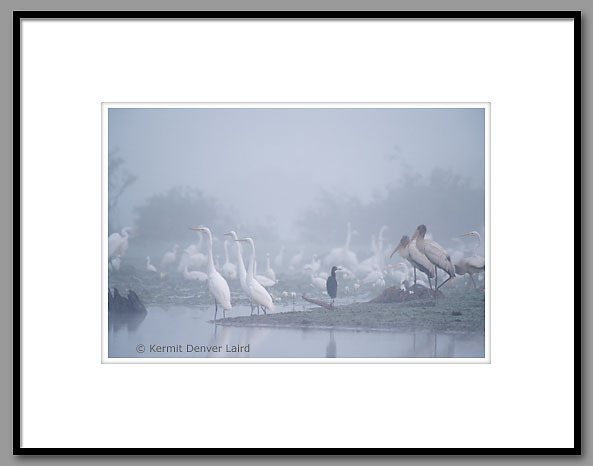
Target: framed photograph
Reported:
point(268, 218)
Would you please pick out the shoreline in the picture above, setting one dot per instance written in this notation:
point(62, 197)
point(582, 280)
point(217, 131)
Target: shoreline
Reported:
point(375, 317)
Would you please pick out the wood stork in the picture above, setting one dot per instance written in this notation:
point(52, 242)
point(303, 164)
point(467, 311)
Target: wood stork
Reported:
point(435, 253)
point(409, 251)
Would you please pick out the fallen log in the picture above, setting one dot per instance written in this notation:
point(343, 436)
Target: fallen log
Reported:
point(319, 303)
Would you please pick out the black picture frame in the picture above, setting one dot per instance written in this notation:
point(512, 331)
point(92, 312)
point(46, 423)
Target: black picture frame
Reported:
point(292, 15)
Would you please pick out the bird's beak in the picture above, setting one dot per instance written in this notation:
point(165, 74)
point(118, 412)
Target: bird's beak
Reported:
point(466, 234)
point(395, 250)
point(241, 240)
point(228, 234)
point(396, 266)
point(414, 236)
point(197, 229)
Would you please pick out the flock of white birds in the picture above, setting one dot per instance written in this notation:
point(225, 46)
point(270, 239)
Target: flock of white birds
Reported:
point(421, 252)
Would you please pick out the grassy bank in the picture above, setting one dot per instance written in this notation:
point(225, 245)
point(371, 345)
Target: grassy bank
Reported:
point(461, 312)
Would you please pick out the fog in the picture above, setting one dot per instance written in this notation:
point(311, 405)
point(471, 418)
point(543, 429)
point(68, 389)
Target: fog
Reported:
point(297, 175)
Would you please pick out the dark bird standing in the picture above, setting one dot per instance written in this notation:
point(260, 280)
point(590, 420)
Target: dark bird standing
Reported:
point(332, 284)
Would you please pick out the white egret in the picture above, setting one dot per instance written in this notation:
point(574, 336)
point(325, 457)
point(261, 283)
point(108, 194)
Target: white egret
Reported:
point(217, 285)
point(474, 264)
point(435, 253)
point(314, 266)
point(343, 255)
point(169, 257)
point(149, 266)
point(401, 277)
point(318, 282)
point(257, 292)
point(297, 258)
point(409, 251)
point(117, 244)
point(116, 262)
point(269, 271)
point(229, 270)
point(193, 274)
point(241, 267)
point(262, 279)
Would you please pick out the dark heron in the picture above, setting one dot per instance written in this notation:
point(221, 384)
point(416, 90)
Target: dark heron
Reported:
point(332, 284)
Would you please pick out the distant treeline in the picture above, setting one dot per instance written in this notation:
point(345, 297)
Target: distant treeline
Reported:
point(447, 203)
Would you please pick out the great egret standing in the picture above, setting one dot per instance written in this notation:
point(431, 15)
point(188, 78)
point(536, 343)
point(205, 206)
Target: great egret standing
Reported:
point(257, 292)
point(269, 271)
point(217, 285)
point(474, 264)
point(117, 244)
point(409, 251)
point(241, 266)
point(229, 269)
point(343, 255)
point(435, 253)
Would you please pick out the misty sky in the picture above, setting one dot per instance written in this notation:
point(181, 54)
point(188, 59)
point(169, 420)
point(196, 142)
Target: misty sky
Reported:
point(273, 162)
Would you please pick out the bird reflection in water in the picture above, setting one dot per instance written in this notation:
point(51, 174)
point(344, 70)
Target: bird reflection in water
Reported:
point(332, 349)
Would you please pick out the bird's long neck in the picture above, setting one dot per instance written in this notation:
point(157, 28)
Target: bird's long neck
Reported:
point(268, 262)
point(211, 268)
point(242, 270)
point(226, 252)
point(251, 269)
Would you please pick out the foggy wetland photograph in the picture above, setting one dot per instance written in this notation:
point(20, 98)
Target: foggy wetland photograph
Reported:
point(296, 232)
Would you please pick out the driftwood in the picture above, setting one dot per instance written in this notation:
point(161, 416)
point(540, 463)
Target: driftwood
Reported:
point(120, 306)
point(319, 303)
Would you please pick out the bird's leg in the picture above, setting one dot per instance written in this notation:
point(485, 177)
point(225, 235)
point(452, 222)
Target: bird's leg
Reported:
point(251, 305)
point(264, 309)
point(436, 281)
point(414, 275)
point(429, 282)
point(223, 313)
point(215, 309)
point(472, 277)
point(450, 277)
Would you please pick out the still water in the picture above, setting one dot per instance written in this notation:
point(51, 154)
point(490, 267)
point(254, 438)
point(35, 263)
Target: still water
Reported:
point(178, 331)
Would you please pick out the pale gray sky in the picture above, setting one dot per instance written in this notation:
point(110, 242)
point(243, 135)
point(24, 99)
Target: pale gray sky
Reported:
point(273, 162)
